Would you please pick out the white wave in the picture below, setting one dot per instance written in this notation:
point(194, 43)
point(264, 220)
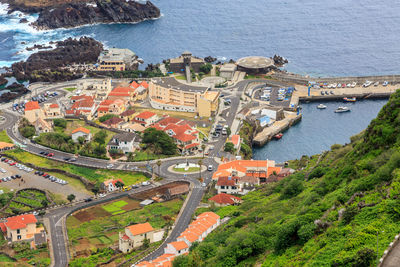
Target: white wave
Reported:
point(221, 58)
point(3, 9)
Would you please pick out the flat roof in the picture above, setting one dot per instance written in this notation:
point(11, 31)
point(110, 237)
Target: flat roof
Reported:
point(172, 83)
point(255, 62)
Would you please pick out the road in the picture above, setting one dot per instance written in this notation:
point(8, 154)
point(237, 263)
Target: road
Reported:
point(57, 217)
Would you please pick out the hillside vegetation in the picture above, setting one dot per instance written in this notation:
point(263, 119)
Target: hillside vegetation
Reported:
point(324, 215)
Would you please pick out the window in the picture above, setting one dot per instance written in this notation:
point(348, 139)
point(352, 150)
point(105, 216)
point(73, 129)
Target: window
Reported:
point(222, 187)
point(19, 237)
point(18, 231)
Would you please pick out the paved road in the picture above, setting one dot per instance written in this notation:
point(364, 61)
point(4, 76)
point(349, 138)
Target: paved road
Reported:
point(393, 258)
point(56, 217)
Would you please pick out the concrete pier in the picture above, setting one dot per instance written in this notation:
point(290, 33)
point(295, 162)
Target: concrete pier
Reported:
point(268, 133)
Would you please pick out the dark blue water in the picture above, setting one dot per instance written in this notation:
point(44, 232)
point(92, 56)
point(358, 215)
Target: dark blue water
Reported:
point(319, 129)
point(319, 37)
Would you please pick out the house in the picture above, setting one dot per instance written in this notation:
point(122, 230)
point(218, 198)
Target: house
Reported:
point(131, 127)
point(140, 90)
point(52, 111)
point(109, 185)
point(113, 122)
point(186, 59)
point(42, 126)
point(134, 235)
point(6, 146)
point(126, 142)
point(227, 185)
point(197, 230)
point(176, 191)
point(223, 199)
point(183, 132)
point(146, 118)
point(125, 93)
point(82, 106)
point(235, 139)
point(261, 169)
point(33, 111)
point(127, 115)
point(20, 228)
point(111, 106)
point(117, 59)
point(81, 132)
point(98, 88)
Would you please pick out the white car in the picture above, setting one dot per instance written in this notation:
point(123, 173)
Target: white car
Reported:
point(145, 183)
point(109, 166)
point(210, 168)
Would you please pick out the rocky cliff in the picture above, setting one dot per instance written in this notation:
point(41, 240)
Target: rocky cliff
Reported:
point(68, 14)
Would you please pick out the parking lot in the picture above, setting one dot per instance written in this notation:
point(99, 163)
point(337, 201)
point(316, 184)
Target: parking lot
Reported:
point(30, 180)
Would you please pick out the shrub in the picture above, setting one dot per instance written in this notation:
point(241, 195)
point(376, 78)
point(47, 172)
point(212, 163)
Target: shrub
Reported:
point(107, 117)
point(292, 189)
point(364, 258)
point(229, 147)
point(62, 123)
point(349, 214)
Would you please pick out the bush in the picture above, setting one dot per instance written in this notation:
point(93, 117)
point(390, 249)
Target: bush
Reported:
point(27, 131)
point(318, 172)
point(159, 142)
point(349, 214)
point(229, 147)
point(62, 123)
point(292, 189)
point(206, 68)
point(306, 232)
point(107, 117)
point(364, 258)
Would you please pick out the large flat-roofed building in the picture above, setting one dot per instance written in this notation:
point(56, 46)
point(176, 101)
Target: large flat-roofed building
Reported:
point(169, 94)
point(186, 59)
point(117, 59)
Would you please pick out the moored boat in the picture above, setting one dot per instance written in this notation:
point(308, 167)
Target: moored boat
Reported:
point(342, 109)
point(278, 136)
point(321, 106)
point(349, 99)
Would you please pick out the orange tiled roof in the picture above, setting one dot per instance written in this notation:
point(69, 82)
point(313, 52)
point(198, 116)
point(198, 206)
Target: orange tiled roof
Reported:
point(54, 105)
point(235, 139)
point(225, 199)
point(19, 222)
point(227, 180)
point(145, 115)
point(134, 84)
point(4, 145)
point(144, 84)
point(141, 228)
point(179, 245)
point(32, 105)
point(81, 129)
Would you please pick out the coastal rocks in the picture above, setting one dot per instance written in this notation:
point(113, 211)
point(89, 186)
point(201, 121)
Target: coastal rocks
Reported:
point(210, 59)
point(279, 61)
point(98, 11)
point(12, 91)
point(24, 20)
point(3, 80)
point(36, 46)
point(52, 65)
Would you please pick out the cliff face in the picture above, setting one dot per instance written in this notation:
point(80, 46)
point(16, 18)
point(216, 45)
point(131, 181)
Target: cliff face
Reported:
point(72, 13)
point(99, 11)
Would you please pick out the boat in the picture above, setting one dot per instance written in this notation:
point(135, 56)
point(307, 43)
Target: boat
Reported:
point(385, 83)
point(342, 109)
point(321, 106)
point(278, 136)
point(349, 99)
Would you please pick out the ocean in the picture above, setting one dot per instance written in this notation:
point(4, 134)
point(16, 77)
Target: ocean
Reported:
point(318, 37)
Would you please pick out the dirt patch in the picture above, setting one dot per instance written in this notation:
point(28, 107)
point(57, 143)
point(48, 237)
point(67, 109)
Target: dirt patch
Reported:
point(132, 204)
point(155, 191)
point(91, 214)
point(98, 211)
point(83, 248)
point(84, 216)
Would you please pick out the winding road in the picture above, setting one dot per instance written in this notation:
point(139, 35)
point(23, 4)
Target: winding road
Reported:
point(56, 217)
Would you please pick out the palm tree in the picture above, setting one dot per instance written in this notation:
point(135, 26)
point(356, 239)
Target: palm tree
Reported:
point(159, 165)
point(200, 163)
point(203, 147)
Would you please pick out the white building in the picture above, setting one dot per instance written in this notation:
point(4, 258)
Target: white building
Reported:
point(126, 142)
point(81, 132)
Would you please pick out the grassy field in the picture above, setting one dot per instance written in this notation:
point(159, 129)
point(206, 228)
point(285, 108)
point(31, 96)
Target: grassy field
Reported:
point(27, 200)
point(183, 115)
point(144, 156)
point(71, 89)
point(180, 77)
point(191, 169)
point(95, 175)
point(98, 227)
point(4, 137)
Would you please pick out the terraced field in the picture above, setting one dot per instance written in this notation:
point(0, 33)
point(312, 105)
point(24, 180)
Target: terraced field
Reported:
point(27, 200)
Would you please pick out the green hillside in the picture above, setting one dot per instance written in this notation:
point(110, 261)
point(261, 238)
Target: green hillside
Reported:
point(327, 214)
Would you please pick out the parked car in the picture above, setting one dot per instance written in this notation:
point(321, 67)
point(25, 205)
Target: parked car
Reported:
point(50, 155)
point(210, 168)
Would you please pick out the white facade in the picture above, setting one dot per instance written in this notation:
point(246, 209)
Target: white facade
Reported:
point(158, 105)
point(269, 112)
point(78, 134)
point(170, 249)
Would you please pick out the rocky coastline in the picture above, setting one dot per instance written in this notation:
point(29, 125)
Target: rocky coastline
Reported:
point(53, 65)
point(74, 13)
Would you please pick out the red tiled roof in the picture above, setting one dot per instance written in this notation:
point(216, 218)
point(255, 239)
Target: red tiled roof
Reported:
point(19, 222)
point(81, 129)
point(227, 180)
point(106, 102)
point(113, 120)
point(134, 84)
point(82, 97)
point(235, 139)
point(225, 199)
point(127, 112)
point(32, 105)
point(125, 237)
point(145, 115)
point(141, 228)
point(3, 227)
point(192, 145)
point(144, 84)
point(54, 105)
point(104, 109)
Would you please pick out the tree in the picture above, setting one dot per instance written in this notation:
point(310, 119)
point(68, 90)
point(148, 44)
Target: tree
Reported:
point(100, 150)
point(206, 68)
point(100, 137)
point(27, 131)
point(44, 203)
point(107, 117)
point(119, 184)
point(71, 197)
point(62, 123)
point(146, 243)
point(159, 165)
point(81, 140)
point(229, 147)
point(228, 131)
point(203, 147)
point(159, 141)
point(364, 257)
point(96, 188)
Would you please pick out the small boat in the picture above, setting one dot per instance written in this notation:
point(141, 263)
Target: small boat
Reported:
point(385, 83)
point(321, 106)
point(278, 136)
point(342, 109)
point(349, 99)
point(376, 83)
point(353, 84)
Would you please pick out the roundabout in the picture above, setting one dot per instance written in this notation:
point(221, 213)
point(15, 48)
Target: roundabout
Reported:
point(186, 168)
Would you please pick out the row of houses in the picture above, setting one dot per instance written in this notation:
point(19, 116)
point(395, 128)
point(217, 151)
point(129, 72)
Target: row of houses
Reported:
point(202, 226)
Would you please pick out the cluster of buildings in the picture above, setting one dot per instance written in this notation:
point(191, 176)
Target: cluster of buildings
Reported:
point(117, 59)
point(23, 228)
point(42, 117)
point(203, 225)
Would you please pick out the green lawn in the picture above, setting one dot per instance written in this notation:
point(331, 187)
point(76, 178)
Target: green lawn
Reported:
point(180, 77)
point(73, 124)
point(191, 169)
point(115, 207)
point(143, 156)
point(4, 137)
point(94, 175)
point(71, 89)
point(5, 258)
